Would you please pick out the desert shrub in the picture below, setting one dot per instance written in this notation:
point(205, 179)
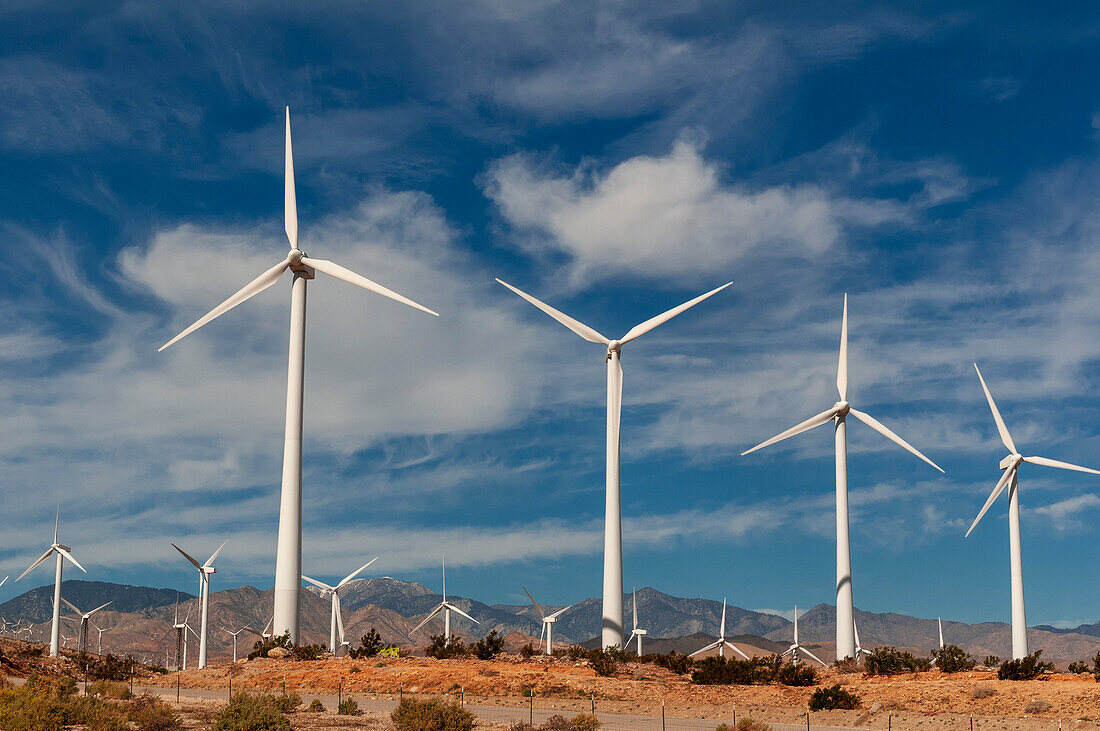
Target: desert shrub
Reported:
point(674, 661)
point(557, 722)
point(759, 670)
point(891, 661)
point(828, 699)
point(370, 645)
point(584, 722)
point(102, 716)
point(109, 689)
point(953, 659)
point(249, 712)
point(317, 706)
point(108, 667)
point(1037, 707)
point(576, 652)
point(982, 691)
point(432, 714)
point(348, 707)
point(796, 675)
point(847, 666)
point(309, 652)
point(489, 646)
point(1079, 667)
point(285, 703)
point(441, 648)
point(527, 651)
point(527, 693)
point(262, 646)
point(751, 724)
point(149, 713)
point(1026, 668)
point(353, 669)
point(991, 661)
point(392, 651)
point(603, 662)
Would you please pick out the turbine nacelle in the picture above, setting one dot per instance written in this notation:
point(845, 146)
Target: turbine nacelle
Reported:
point(842, 408)
point(1011, 461)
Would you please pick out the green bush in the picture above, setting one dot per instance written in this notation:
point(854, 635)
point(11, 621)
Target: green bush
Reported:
point(584, 722)
point(432, 714)
point(316, 706)
point(828, 699)
point(674, 661)
point(370, 645)
point(796, 675)
point(309, 652)
point(757, 671)
point(991, 661)
point(891, 661)
point(150, 713)
point(249, 712)
point(489, 646)
point(1079, 667)
point(576, 652)
point(603, 662)
point(109, 689)
point(1026, 668)
point(1096, 667)
point(285, 703)
point(260, 649)
point(745, 724)
point(953, 659)
point(527, 651)
point(44, 704)
point(441, 648)
point(390, 651)
point(348, 707)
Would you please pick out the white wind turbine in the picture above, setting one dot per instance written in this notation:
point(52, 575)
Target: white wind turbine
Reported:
point(181, 636)
point(446, 607)
point(838, 413)
point(337, 621)
point(99, 641)
point(206, 570)
point(639, 633)
point(288, 559)
point(82, 618)
point(722, 642)
point(63, 552)
point(795, 648)
point(613, 621)
point(235, 634)
point(547, 622)
point(1010, 465)
point(860, 652)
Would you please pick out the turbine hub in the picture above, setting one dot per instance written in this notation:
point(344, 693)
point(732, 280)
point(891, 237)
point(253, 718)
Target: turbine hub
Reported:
point(1011, 461)
point(843, 407)
point(295, 257)
point(614, 347)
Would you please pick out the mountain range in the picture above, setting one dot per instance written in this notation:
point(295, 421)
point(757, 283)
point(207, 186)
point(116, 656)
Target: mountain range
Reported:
point(141, 618)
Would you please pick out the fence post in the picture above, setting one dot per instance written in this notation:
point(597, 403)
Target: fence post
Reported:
point(230, 685)
point(663, 716)
point(400, 692)
point(735, 715)
point(807, 718)
point(339, 694)
point(889, 720)
point(531, 709)
point(971, 722)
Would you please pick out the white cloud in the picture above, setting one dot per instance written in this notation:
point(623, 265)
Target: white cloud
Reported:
point(1064, 514)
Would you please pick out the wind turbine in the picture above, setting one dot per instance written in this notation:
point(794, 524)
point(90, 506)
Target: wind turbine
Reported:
point(288, 559)
point(613, 622)
point(337, 621)
point(547, 622)
point(860, 652)
point(181, 636)
point(63, 552)
point(639, 633)
point(795, 648)
point(101, 630)
point(206, 570)
point(242, 629)
point(445, 607)
point(83, 618)
point(838, 413)
point(1010, 464)
point(722, 643)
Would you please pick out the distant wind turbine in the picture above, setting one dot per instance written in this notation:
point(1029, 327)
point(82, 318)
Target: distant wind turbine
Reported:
point(1010, 465)
point(99, 642)
point(795, 648)
point(288, 559)
point(613, 621)
point(242, 629)
point(206, 570)
point(63, 552)
point(838, 413)
point(722, 642)
point(638, 632)
point(82, 618)
point(446, 607)
point(860, 652)
point(336, 621)
point(547, 622)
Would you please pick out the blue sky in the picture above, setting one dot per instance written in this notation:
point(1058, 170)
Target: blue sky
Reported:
point(939, 164)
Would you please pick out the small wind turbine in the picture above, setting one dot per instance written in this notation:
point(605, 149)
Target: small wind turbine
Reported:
point(795, 648)
point(83, 618)
point(67, 640)
point(639, 633)
point(336, 621)
point(547, 622)
point(722, 643)
point(1010, 465)
point(860, 652)
point(838, 413)
point(99, 641)
point(181, 636)
point(445, 607)
point(62, 553)
point(206, 570)
point(613, 621)
point(288, 559)
point(242, 629)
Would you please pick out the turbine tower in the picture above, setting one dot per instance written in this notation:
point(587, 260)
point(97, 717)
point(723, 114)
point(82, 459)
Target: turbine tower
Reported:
point(796, 648)
point(337, 621)
point(838, 413)
point(639, 633)
point(206, 570)
point(547, 622)
point(722, 642)
point(82, 618)
point(613, 622)
point(939, 621)
point(1010, 465)
point(63, 552)
point(288, 559)
point(446, 607)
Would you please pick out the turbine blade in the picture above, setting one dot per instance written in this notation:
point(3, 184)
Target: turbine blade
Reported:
point(615, 400)
point(542, 635)
point(69, 556)
point(722, 634)
point(560, 612)
point(5, 580)
point(253, 288)
point(35, 565)
point(187, 556)
point(1006, 438)
point(101, 606)
point(335, 270)
point(815, 657)
point(709, 647)
point(434, 612)
point(355, 573)
point(536, 604)
point(810, 423)
point(642, 329)
point(736, 649)
point(842, 364)
point(1005, 478)
point(57, 521)
point(1061, 465)
point(318, 584)
point(290, 200)
point(339, 618)
point(578, 327)
point(877, 426)
point(453, 608)
point(634, 600)
point(214, 555)
point(72, 606)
